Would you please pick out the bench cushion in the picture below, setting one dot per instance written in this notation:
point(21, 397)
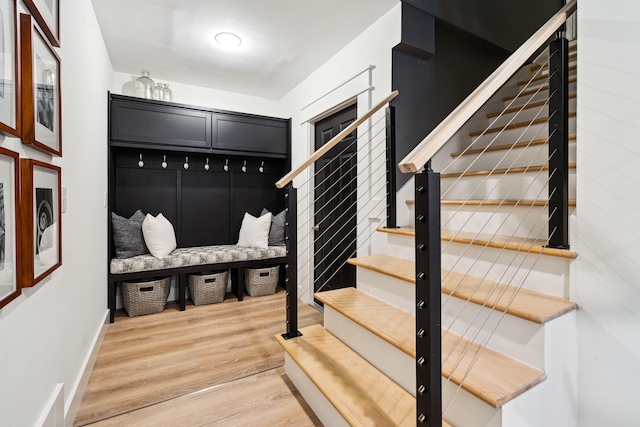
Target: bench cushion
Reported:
point(200, 255)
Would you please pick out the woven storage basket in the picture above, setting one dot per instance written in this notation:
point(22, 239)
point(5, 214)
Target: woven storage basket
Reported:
point(261, 281)
point(208, 288)
point(145, 297)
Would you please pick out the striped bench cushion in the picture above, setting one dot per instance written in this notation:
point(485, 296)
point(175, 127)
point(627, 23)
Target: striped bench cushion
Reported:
point(200, 255)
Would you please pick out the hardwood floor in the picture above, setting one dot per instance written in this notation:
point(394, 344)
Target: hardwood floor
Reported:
point(215, 364)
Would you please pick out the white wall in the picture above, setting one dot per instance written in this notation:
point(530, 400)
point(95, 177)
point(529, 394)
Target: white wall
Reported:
point(607, 282)
point(315, 97)
point(123, 84)
point(46, 334)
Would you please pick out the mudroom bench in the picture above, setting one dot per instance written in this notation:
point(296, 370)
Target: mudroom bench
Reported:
point(195, 260)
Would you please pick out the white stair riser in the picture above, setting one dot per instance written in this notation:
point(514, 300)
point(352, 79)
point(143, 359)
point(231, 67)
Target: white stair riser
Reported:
point(320, 405)
point(518, 338)
point(396, 292)
point(395, 364)
point(527, 132)
point(524, 114)
point(542, 273)
point(462, 409)
point(525, 186)
point(538, 96)
point(400, 246)
point(503, 159)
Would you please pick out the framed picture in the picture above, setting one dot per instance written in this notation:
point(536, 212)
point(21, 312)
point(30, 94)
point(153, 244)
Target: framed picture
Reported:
point(41, 120)
point(41, 220)
point(46, 13)
point(9, 105)
point(9, 226)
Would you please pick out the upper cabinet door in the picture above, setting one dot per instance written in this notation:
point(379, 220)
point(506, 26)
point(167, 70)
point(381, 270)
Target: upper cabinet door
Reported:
point(250, 134)
point(165, 125)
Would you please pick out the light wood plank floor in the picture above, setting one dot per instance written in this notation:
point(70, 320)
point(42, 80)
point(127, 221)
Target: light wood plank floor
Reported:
point(208, 365)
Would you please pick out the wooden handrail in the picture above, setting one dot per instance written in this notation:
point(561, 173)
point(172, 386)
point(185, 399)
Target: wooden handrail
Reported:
point(433, 142)
point(333, 141)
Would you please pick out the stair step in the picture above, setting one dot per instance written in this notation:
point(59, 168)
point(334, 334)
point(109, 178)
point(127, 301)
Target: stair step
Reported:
point(543, 76)
point(533, 91)
point(515, 125)
point(519, 203)
point(395, 267)
point(523, 107)
point(536, 67)
point(513, 243)
point(542, 141)
point(530, 305)
point(362, 394)
point(536, 168)
point(495, 378)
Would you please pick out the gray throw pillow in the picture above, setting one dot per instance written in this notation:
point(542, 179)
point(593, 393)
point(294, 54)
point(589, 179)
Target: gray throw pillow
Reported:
point(127, 235)
point(276, 232)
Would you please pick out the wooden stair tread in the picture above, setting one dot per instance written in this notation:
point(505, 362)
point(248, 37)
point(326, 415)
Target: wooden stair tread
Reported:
point(534, 90)
point(513, 243)
point(507, 242)
point(522, 144)
point(362, 394)
point(496, 378)
point(530, 305)
point(523, 203)
point(536, 67)
point(523, 107)
point(395, 267)
point(543, 76)
point(536, 168)
point(515, 125)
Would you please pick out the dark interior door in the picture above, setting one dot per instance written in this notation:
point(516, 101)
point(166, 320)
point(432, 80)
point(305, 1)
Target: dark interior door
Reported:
point(335, 206)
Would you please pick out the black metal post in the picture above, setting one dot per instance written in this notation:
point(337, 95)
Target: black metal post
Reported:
point(391, 167)
point(428, 312)
point(291, 240)
point(559, 142)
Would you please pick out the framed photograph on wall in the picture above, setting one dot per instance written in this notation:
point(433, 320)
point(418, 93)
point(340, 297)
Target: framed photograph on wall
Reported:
point(41, 220)
point(9, 225)
point(41, 120)
point(46, 14)
point(9, 99)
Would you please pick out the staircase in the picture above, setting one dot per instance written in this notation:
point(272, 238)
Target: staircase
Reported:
point(508, 327)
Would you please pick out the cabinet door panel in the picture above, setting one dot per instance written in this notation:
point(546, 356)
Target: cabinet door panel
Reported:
point(250, 134)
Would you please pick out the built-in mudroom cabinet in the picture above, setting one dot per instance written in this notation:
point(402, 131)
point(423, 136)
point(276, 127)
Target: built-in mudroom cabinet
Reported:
point(201, 168)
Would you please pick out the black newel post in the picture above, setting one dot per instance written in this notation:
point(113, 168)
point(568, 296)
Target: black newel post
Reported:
point(291, 268)
point(391, 167)
point(428, 311)
point(559, 142)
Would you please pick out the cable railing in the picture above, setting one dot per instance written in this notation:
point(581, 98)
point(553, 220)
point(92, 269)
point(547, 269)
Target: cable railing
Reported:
point(510, 216)
point(342, 189)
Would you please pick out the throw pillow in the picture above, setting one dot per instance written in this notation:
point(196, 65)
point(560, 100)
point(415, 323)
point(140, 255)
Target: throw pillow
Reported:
point(276, 233)
point(159, 235)
point(254, 232)
point(127, 235)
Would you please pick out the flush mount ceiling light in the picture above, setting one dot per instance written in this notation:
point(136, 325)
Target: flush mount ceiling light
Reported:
point(228, 39)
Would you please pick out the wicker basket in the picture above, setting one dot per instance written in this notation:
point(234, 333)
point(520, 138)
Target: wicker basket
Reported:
point(208, 288)
point(145, 297)
point(261, 281)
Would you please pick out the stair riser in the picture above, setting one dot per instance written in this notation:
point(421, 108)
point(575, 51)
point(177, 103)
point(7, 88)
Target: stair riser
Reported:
point(501, 220)
point(542, 273)
point(320, 405)
point(525, 114)
point(466, 410)
point(539, 96)
point(526, 186)
point(524, 133)
point(503, 159)
point(396, 292)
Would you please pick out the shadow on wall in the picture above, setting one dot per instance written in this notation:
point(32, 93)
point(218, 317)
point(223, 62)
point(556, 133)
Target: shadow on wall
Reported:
point(129, 88)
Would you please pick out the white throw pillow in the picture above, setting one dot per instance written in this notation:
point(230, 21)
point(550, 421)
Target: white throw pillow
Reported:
point(159, 235)
point(254, 232)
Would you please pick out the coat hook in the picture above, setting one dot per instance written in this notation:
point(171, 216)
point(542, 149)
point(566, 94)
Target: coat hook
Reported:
point(261, 168)
point(186, 163)
point(164, 162)
point(206, 164)
point(226, 166)
point(140, 162)
point(244, 166)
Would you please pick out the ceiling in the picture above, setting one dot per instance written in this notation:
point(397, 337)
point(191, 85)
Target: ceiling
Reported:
point(283, 41)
